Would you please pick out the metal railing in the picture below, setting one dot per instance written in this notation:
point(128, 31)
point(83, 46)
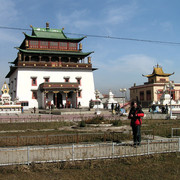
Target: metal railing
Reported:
point(75, 138)
point(58, 153)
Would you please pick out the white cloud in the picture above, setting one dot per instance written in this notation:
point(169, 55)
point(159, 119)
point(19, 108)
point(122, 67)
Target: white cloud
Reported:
point(167, 26)
point(77, 19)
point(135, 63)
point(8, 12)
point(118, 15)
point(113, 15)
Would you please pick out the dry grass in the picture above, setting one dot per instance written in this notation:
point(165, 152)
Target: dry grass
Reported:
point(164, 166)
point(157, 127)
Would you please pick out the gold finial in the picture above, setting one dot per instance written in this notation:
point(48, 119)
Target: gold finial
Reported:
point(5, 88)
point(63, 28)
point(31, 26)
point(47, 25)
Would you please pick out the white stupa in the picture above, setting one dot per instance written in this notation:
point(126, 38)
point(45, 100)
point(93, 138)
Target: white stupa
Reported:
point(166, 98)
point(110, 100)
point(6, 105)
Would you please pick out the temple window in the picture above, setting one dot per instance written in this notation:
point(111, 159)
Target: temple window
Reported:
point(54, 45)
point(62, 45)
point(162, 80)
point(33, 44)
point(34, 94)
point(148, 95)
point(141, 95)
point(66, 79)
point(79, 94)
point(79, 81)
point(24, 103)
point(46, 79)
point(72, 46)
point(34, 81)
point(44, 44)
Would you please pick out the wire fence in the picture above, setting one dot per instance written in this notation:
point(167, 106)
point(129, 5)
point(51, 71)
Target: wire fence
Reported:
point(58, 153)
point(62, 138)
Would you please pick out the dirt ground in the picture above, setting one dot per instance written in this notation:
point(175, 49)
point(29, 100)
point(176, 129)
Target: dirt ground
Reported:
point(159, 166)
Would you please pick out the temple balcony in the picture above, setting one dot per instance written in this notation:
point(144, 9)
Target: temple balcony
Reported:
point(53, 64)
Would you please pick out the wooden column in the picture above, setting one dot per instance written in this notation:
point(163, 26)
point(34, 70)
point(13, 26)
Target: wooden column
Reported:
point(55, 93)
point(40, 57)
point(19, 56)
point(45, 92)
point(29, 58)
point(76, 99)
point(50, 58)
point(24, 58)
point(66, 92)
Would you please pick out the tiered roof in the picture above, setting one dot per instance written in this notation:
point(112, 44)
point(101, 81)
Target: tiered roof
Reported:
point(47, 33)
point(50, 35)
point(158, 71)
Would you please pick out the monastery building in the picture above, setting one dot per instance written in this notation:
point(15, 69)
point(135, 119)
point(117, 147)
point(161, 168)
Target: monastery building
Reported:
point(51, 69)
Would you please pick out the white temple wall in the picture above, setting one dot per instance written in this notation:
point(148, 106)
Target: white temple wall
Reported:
point(12, 85)
point(24, 84)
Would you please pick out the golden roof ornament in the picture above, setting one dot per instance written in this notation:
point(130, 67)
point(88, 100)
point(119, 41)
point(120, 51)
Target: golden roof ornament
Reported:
point(5, 88)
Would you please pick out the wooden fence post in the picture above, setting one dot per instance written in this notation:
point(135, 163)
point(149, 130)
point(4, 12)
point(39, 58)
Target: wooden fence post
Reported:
point(47, 140)
point(77, 138)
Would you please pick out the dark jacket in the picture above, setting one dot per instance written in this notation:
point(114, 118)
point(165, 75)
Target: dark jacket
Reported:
point(137, 114)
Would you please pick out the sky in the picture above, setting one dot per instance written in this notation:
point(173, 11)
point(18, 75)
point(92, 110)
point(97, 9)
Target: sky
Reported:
point(120, 63)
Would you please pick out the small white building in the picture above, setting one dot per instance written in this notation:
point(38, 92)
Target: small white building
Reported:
point(51, 70)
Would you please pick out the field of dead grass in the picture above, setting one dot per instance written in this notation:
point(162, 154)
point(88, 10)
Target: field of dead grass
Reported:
point(159, 166)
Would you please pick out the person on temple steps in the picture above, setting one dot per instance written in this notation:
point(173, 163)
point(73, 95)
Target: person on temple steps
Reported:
point(135, 115)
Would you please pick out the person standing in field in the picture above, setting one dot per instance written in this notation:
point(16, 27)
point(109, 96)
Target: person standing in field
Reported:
point(135, 115)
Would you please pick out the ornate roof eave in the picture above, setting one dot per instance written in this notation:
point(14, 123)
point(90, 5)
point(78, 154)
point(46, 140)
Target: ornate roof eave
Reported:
point(56, 52)
point(152, 75)
point(63, 39)
point(59, 86)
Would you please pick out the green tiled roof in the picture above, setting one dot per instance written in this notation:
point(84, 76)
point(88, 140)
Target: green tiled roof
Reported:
point(76, 53)
point(48, 33)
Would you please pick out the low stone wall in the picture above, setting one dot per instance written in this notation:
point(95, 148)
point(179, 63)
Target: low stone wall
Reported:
point(155, 116)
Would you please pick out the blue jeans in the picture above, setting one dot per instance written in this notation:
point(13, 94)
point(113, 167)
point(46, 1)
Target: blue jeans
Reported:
point(136, 134)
